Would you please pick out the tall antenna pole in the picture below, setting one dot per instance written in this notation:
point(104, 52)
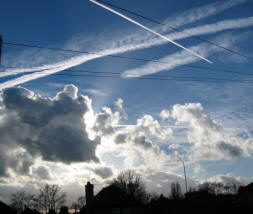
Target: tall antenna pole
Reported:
point(185, 179)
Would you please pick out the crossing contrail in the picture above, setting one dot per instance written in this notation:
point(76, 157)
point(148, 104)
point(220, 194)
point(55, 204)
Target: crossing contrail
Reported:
point(148, 29)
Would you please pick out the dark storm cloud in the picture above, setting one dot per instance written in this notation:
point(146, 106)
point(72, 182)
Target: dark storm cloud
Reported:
point(19, 162)
point(53, 128)
point(42, 172)
point(232, 150)
point(104, 121)
point(103, 172)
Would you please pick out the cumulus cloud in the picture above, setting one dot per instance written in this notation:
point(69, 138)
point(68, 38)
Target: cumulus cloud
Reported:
point(145, 128)
point(198, 169)
point(104, 121)
point(160, 182)
point(208, 139)
point(54, 129)
point(51, 128)
point(119, 106)
point(228, 178)
point(42, 172)
point(15, 160)
point(103, 172)
point(164, 114)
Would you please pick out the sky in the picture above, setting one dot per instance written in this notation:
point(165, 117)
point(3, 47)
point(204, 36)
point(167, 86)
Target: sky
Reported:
point(69, 117)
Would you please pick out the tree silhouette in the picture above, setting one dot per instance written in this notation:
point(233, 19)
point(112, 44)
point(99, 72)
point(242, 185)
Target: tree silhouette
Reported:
point(175, 192)
point(79, 203)
point(51, 198)
point(21, 199)
point(219, 188)
point(64, 210)
point(131, 183)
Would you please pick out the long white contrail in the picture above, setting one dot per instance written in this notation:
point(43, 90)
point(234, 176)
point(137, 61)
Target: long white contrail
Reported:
point(150, 30)
point(77, 60)
point(177, 59)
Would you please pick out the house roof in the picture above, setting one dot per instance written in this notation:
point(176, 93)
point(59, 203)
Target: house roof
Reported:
point(113, 196)
point(245, 189)
point(6, 209)
point(29, 211)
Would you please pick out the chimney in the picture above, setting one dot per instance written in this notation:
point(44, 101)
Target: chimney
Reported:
point(89, 193)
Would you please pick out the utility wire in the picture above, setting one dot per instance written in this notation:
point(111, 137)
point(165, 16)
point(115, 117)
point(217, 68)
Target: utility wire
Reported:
point(178, 30)
point(159, 76)
point(149, 75)
point(122, 57)
point(150, 78)
point(131, 12)
point(116, 75)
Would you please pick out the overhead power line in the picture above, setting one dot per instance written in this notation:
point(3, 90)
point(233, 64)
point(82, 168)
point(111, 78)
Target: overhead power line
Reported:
point(162, 79)
point(121, 57)
point(159, 76)
point(117, 75)
point(151, 31)
point(131, 12)
point(177, 29)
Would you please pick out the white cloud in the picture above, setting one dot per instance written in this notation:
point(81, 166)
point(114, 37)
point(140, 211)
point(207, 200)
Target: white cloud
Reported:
point(42, 172)
point(51, 128)
point(164, 114)
point(228, 178)
point(198, 169)
point(32, 141)
point(208, 139)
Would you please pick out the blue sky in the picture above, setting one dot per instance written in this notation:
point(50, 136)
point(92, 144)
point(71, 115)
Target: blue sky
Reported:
point(206, 123)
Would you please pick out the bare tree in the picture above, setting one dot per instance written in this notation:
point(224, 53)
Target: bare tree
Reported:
point(175, 192)
point(21, 199)
point(79, 203)
point(18, 200)
point(131, 183)
point(51, 198)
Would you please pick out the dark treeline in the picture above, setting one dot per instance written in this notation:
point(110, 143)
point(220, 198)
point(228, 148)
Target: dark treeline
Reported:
point(206, 198)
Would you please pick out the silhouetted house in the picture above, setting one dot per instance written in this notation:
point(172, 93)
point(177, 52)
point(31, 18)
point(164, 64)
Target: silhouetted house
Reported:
point(64, 210)
point(111, 200)
point(51, 212)
point(245, 195)
point(30, 211)
point(246, 192)
point(200, 202)
point(161, 205)
point(5, 209)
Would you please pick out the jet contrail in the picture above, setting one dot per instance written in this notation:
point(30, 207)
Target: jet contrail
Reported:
point(177, 59)
point(148, 29)
point(77, 60)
